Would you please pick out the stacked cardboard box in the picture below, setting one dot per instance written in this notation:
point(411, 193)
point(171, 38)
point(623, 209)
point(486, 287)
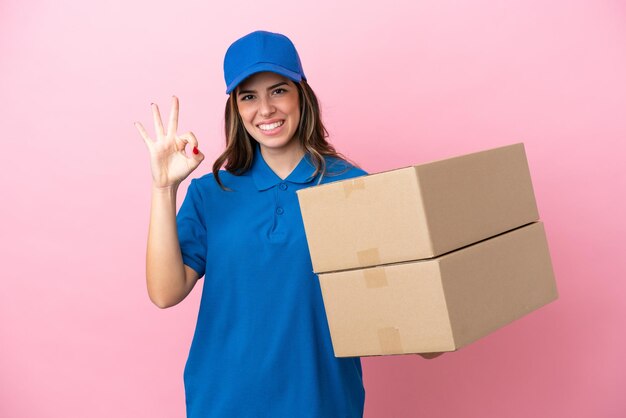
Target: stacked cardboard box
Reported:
point(428, 258)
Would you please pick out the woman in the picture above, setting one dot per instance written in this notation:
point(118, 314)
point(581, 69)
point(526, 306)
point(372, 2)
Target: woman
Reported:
point(262, 346)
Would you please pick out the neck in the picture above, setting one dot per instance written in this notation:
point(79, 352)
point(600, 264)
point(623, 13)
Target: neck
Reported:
point(282, 161)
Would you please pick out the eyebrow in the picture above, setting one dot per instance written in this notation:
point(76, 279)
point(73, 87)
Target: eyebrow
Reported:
point(269, 88)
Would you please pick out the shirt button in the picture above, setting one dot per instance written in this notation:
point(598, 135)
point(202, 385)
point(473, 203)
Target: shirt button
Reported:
point(279, 211)
point(282, 186)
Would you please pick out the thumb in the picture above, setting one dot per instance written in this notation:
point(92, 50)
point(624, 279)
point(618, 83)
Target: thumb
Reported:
point(196, 155)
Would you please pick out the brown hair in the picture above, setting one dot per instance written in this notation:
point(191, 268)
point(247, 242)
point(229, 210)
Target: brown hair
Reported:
point(238, 155)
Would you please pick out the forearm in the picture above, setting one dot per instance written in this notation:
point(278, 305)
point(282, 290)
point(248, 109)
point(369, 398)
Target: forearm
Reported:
point(165, 271)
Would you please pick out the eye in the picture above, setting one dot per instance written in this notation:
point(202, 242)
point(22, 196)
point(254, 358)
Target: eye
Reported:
point(279, 90)
point(246, 97)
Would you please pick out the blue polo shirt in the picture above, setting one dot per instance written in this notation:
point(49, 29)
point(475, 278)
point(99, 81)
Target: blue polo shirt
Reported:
point(262, 346)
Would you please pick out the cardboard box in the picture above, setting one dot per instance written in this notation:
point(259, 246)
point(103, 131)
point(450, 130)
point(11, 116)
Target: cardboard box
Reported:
point(417, 212)
point(440, 304)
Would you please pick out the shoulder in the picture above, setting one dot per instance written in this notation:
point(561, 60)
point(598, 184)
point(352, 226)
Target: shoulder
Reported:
point(338, 169)
point(207, 183)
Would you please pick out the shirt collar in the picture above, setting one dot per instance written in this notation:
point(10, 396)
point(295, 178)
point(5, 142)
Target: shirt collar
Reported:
point(265, 178)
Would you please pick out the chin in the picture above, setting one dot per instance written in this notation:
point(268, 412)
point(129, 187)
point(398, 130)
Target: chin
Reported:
point(276, 143)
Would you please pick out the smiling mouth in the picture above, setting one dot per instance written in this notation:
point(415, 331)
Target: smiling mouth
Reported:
point(270, 126)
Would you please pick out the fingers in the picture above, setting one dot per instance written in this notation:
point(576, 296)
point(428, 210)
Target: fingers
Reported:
point(158, 123)
point(144, 134)
point(173, 123)
point(190, 138)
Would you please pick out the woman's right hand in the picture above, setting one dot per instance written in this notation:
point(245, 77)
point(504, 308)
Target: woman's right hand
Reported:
point(169, 163)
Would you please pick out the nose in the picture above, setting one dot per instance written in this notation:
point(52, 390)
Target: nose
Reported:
point(266, 108)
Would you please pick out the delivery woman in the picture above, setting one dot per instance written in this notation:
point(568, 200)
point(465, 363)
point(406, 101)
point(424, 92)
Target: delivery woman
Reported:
point(261, 347)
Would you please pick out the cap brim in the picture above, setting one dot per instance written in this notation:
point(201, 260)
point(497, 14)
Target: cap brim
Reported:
point(259, 68)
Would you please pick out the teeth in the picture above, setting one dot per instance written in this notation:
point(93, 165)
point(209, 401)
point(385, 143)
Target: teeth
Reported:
point(270, 126)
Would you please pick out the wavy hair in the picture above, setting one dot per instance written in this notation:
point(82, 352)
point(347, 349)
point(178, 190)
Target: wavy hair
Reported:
point(239, 153)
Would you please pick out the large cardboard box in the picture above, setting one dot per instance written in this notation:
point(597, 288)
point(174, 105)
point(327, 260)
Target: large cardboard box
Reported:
point(417, 212)
point(440, 304)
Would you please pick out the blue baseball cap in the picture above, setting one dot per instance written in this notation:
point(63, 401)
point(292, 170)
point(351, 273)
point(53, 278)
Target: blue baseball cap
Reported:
point(261, 51)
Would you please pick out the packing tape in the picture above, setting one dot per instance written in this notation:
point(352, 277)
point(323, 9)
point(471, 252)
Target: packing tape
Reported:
point(375, 277)
point(390, 341)
point(352, 185)
point(369, 257)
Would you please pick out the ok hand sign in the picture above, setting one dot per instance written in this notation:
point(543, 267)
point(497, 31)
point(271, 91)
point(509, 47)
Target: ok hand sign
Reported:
point(169, 163)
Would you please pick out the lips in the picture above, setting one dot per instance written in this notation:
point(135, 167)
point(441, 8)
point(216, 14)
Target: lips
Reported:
point(271, 126)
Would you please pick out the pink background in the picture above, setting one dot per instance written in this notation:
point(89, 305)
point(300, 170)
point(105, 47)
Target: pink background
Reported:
point(401, 83)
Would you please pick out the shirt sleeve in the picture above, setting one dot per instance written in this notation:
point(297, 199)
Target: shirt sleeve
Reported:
point(191, 226)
